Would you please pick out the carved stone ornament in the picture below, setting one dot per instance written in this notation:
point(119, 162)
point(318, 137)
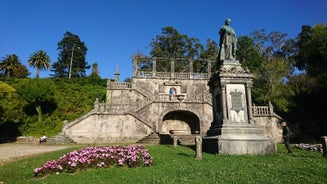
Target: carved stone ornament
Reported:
point(235, 70)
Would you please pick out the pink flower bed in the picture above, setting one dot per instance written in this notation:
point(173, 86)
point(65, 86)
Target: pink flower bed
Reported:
point(97, 157)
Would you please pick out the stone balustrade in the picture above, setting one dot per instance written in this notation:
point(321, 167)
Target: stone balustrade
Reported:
point(263, 110)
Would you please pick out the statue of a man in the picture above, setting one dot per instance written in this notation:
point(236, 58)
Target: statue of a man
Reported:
point(227, 42)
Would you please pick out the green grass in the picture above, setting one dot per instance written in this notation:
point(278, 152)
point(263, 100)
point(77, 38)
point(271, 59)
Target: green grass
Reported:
point(178, 165)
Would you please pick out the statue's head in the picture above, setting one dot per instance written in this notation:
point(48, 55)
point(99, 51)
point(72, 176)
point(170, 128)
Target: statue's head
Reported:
point(227, 21)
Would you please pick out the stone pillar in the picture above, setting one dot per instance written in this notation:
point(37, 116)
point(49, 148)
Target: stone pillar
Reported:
point(96, 105)
point(135, 67)
point(154, 67)
point(249, 103)
point(172, 68)
point(117, 74)
point(209, 68)
point(224, 102)
point(175, 140)
point(324, 147)
point(271, 108)
point(191, 73)
point(198, 147)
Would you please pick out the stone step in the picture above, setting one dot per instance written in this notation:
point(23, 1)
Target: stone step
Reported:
point(150, 139)
point(60, 139)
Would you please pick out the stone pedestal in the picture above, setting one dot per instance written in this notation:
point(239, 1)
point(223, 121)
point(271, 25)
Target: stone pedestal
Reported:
point(233, 130)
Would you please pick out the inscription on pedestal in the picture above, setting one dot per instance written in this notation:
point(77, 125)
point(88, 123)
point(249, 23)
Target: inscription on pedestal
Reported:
point(236, 98)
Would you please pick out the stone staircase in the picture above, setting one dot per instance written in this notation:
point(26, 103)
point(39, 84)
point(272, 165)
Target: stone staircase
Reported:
point(150, 139)
point(60, 139)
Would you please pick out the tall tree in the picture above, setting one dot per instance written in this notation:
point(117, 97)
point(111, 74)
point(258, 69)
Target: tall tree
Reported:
point(247, 54)
point(9, 64)
point(172, 44)
point(39, 60)
point(312, 53)
point(71, 59)
point(270, 84)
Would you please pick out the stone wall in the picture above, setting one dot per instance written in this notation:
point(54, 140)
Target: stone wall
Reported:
point(107, 128)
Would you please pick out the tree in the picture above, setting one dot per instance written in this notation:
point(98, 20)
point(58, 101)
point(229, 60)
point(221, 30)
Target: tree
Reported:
point(72, 52)
point(9, 64)
point(247, 54)
point(312, 52)
point(270, 84)
point(95, 72)
point(38, 93)
point(268, 45)
point(39, 60)
point(21, 71)
point(172, 44)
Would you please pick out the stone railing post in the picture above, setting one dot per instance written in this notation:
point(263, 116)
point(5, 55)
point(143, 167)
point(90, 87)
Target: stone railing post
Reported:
point(96, 105)
point(135, 66)
point(271, 109)
point(191, 69)
point(172, 68)
point(154, 67)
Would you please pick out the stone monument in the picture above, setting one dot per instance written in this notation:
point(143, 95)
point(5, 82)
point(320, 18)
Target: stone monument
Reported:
point(233, 130)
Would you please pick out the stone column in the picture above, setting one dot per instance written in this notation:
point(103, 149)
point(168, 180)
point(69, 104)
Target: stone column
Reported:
point(175, 140)
point(198, 147)
point(154, 67)
point(172, 68)
point(191, 73)
point(224, 102)
point(249, 102)
point(135, 67)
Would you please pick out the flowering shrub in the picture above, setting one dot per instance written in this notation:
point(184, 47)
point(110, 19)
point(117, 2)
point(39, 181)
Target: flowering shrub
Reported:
point(97, 157)
point(310, 147)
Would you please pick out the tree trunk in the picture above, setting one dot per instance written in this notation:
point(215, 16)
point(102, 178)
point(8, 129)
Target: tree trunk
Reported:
point(39, 114)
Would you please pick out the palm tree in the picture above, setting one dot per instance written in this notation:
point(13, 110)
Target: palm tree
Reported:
point(39, 60)
point(9, 64)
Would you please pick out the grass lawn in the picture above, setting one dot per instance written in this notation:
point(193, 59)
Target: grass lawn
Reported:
point(178, 165)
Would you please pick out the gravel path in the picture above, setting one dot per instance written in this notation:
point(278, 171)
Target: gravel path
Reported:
point(13, 151)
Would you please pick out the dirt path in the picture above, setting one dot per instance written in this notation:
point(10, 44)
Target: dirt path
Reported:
point(13, 151)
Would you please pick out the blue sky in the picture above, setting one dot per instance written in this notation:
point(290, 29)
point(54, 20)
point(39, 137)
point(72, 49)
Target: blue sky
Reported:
point(114, 30)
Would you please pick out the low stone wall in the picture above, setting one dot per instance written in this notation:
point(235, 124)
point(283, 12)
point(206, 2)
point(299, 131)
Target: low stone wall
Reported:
point(26, 139)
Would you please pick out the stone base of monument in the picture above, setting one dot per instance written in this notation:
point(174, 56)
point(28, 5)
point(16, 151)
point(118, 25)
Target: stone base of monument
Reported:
point(239, 140)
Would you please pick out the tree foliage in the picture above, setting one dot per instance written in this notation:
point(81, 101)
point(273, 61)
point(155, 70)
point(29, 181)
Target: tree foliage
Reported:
point(172, 44)
point(312, 52)
point(71, 51)
point(39, 60)
point(39, 95)
point(247, 54)
point(9, 64)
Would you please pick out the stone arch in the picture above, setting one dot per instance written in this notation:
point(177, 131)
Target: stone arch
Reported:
point(180, 122)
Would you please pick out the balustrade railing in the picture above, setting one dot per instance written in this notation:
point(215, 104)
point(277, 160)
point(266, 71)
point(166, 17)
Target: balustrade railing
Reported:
point(120, 85)
point(262, 110)
point(167, 75)
point(258, 111)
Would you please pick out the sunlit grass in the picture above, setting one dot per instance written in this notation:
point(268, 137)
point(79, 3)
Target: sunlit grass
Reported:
point(178, 165)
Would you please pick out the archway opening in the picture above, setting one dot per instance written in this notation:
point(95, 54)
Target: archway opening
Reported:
point(180, 122)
